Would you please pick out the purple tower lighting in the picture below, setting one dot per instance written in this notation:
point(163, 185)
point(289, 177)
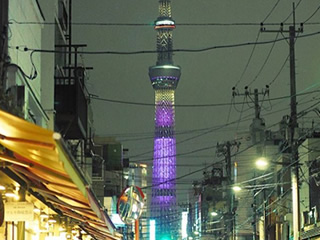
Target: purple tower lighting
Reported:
point(164, 77)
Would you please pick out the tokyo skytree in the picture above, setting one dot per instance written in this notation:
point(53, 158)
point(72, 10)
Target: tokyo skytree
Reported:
point(164, 77)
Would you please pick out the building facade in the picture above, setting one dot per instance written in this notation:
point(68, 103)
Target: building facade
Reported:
point(46, 146)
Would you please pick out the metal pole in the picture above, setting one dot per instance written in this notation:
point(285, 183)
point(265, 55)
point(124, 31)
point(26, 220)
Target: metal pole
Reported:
point(136, 227)
point(21, 224)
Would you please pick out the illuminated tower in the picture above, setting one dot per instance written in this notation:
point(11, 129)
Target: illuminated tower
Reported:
point(164, 77)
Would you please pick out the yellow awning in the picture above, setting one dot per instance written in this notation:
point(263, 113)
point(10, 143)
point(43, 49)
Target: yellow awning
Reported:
point(40, 156)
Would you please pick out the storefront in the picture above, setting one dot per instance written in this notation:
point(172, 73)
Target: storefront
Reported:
point(44, 194)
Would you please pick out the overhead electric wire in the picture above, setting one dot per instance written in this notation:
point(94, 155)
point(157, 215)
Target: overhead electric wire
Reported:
point(26, 49)
point(271, 11)
point(287, 167)
point(278, 1)
point(176, 155)
point(190, 138)
point(295, 8)
point(312, 15)
point(242, 103)
point(232, 155)
point(280, 70)
point(108, 24)
point(192, 105)
point(179, 133)
point(265, 62)
point(262, 186)
point(275, 185)
point(249, 59)
point(254, 46)
point(198, 170)
point(240, 116)
point(210, 131)
point(279, 197)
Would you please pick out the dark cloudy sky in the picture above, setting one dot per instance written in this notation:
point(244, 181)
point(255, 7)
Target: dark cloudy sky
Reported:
point(207, 77)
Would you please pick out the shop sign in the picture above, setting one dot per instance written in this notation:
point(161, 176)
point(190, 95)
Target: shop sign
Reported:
point(18, 211)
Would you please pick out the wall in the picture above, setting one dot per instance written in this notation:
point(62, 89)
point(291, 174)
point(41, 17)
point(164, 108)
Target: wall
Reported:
point(28, 31)
point(25, 35)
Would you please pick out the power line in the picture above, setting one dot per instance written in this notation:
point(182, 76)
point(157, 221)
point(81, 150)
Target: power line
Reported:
point(213, 129)
point(271, 11)
point(312, 15)
point(107, 24)
point(280, 70)
point(199, 170)
point(207, 148)
point(249, 59)
point(26, 49)
point(178, 154)
point(292, 11)
point(265, 62)
point(254, 46)
point(193, 105)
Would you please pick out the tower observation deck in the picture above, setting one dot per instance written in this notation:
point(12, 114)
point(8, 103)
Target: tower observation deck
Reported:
point(164, 77)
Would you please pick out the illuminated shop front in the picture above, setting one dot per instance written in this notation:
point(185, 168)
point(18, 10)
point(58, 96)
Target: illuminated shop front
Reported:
point(44, 194)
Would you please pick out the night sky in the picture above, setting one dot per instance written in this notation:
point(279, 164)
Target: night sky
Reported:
point(207, 77)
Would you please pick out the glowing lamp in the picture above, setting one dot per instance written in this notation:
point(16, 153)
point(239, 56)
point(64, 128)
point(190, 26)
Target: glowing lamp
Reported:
point(11, 194)
point(214, 214)
point(236, 188)
point(36, 210)
point(51, 220)
point(262, 163)
point(152, 229)
point(62, 229)
point(44, 215)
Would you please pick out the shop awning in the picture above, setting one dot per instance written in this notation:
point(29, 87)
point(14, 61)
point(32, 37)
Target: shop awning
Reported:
point(41, 158)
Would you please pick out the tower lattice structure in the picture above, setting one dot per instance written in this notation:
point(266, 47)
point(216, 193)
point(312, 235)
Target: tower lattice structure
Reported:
point(164, 77)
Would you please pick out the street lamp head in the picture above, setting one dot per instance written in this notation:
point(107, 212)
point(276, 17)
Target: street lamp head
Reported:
point(262, 163)
point(214, 214)
point(236, 188)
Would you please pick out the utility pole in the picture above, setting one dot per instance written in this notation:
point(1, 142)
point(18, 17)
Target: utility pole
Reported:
point(225, 149)
point(257, 129)
point(293, 125)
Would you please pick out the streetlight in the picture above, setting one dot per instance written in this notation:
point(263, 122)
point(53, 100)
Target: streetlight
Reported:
point(262, 163)
point(236, 188)
point(214, 214)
